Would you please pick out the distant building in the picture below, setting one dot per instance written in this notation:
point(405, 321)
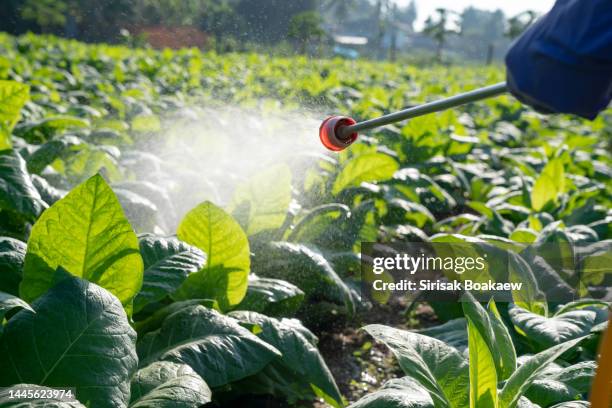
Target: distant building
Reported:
point(171, 37)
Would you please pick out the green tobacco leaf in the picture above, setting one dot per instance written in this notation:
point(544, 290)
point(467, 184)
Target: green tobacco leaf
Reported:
point(13, 96)
point(550, 331)
point(397, 393)
point(369, 167)
point(90, 161)
point(79, 337)
point(86, 234)
point(45, 129)
point(225, 276)
point(155, 320)
point(493, 332)
point(12, 254)
point(303, 371)
point(483, 374)
point(506, 362)
point(562, 384)
point(17, 193)
point(167, 263)
point(582, 304)
point(318, 221)
point(453, 333)
point(215, 346)
point(549, 185)
point(439, 368)
point(7, 402)
point(305, 268)
point(523, 377)
point(168, 385)
point(272, 297)
point(52, 150)
point(262, 202)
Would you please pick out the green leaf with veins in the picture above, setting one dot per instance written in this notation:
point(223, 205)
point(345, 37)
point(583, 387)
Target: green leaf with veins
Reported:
point(224, 278)
point(215, 346)
point(168, 385)
point(397, 393)
point(167, 263)
point(546, 332)
point(520, 381)
point(13, 96)
point(86, 234)
point(300, 373)
point(371, 167)
point(17, 193)
point(78, 336)
point(439, 368)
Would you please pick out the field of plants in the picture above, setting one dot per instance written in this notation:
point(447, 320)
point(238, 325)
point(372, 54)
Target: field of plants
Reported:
point(148, 260)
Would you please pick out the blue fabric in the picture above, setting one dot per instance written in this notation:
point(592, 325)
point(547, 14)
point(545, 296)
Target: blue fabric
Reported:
point(563, 63)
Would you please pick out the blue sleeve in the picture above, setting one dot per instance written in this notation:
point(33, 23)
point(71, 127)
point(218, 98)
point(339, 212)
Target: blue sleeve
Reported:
point(563, 63)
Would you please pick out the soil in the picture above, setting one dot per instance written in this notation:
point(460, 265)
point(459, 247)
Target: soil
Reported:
point(358, 364)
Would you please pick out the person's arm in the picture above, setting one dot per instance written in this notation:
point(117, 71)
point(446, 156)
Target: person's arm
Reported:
point(563, 63)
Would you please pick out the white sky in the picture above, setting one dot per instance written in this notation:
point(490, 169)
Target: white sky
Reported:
point(510, 7)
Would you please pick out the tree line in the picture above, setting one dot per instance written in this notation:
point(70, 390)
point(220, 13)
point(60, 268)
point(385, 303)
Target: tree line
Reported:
point(268, 22)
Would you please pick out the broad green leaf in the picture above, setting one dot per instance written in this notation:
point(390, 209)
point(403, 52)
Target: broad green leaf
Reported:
point(582, 304)
point(272, 297)
point(397, 393)
point(13, 96)
point(453, 333)
point(318, 221)
point(439, 368)
point(45, 129)
point(12, 254)
point(261, 203)
point(371, 167)
point(549, 185)
point(546, 332)
point(52, 150)
point(86, 234)
point(167, 263)
point(303, 371)
point(17, 193)
point(7, 402)
point(79, 337)
point(523, 377)
point(305, 268)
point(483, 375)
point(225, 276)
point(214, 346)
point(168, 385)
point(156, 319)
point(562, 384)
point(90, 161)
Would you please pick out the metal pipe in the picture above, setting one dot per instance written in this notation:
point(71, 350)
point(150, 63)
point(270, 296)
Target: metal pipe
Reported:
point(424, 109)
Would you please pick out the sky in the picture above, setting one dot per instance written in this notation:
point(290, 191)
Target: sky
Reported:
point(509, 7)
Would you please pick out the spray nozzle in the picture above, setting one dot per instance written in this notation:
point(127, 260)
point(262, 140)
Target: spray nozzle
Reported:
point(332, 135)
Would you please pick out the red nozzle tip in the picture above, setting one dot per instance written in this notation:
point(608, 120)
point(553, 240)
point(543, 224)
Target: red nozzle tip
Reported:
point(331, 135)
